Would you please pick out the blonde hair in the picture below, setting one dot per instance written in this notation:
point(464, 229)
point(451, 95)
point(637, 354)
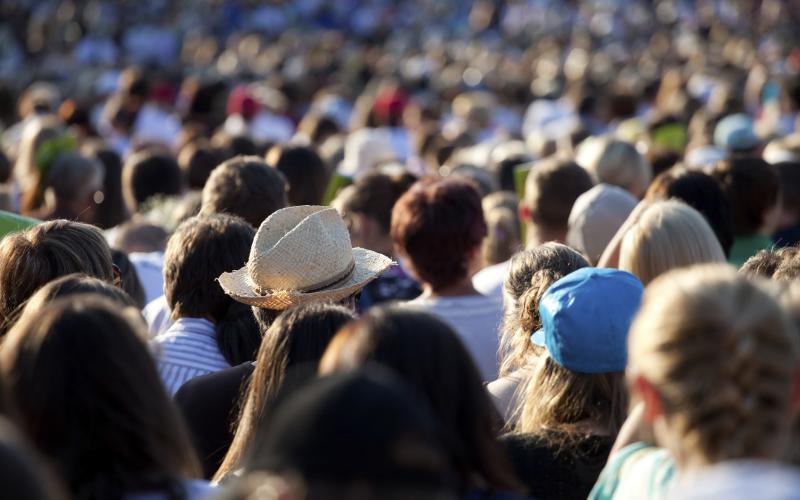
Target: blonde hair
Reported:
point(26, 173)
point(722, 354)
point(619, 163)
point(669, 235)
point(530, 274)
point(572, 404)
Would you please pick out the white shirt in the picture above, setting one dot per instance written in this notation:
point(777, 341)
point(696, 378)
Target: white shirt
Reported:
point(489, 280)
point(158, 316)
point(476, 319)
point(149, 267)
point(187, 350)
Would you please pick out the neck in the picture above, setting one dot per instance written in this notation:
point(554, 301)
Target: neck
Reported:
point(460, 289)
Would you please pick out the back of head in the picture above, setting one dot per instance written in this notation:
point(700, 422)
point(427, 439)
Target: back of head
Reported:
point(305, 172)
point(703, 193)
point(374, 195)
point(735, 403)
point(76, 284)
point(42, 253)
point(595, 218)
point(197, 160)
point(669, 235)
point(74, 177)
point(752, 187)
point(778, 264)
point(551, 189)
point(112, 211)
point(148, 174)
point(326, 434)
point(430, 357)
point(296, 340)
point(619, 164)
point(247, 187)
point(438, 225)
point(529, 275)
point(115, 430)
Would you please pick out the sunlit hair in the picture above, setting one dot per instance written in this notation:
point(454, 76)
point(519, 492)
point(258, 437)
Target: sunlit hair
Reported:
point(722, 355)
point(530, 274)
point(32, 258)
point(619, 164)
point(571, 404)
point(669, 235)
point(299, 335)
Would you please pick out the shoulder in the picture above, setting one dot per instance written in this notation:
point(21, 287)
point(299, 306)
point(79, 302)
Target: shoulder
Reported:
point(636, 471)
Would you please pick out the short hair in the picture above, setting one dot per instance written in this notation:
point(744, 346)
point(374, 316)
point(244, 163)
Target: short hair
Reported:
point(149, 174)
point(305, 172)
point(619, 164)
point(438, 224)
point(752, 187)
point(76, 284)
point(669, 235)
point(551, 189)
point(247, 187)
point(766, 263)
point(71, 176)
point(700, 191)
point(197, 160)
point(199, 251)
point(374, 195)
point(32, 258)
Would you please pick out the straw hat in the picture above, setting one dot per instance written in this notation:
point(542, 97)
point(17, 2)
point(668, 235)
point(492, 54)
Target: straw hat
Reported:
point(302, 254)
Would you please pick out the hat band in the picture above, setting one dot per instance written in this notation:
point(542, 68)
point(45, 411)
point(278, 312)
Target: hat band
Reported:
point(319, 285)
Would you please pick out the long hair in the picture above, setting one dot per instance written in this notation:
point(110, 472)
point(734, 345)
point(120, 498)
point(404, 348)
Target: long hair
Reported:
point(299, 335)
point(722, 354)
point(560, 400)
point(429, 356)
point(530, 274)
point(90, 399)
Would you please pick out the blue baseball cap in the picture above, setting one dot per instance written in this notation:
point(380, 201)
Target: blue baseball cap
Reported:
point(736, 133)
point(586, 316)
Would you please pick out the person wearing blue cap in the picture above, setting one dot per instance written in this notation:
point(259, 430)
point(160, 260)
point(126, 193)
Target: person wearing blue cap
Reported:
point(575, 400)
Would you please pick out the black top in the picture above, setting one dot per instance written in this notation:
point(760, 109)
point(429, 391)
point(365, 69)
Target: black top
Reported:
point(563, 474)
point(210, 405)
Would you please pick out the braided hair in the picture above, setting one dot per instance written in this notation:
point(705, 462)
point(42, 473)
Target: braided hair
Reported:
point(721, 352)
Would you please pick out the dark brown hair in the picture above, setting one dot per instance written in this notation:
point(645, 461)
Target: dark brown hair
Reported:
point(430, 357)
point(752, 187)
point(201, 249)
point(374, 196)
point(34, 257)
point(700, 191)
point(197, 160)
point(304, 170)
point(148, 174)
point(438, 225)
point(551, 189)
point(247, 187)
point(89, 397)
point(299, 335)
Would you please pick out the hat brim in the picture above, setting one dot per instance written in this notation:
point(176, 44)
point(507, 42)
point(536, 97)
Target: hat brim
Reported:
point(368, 266)
point(538, 338)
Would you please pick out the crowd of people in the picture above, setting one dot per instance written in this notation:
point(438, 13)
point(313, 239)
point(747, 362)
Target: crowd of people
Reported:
point(390, 249)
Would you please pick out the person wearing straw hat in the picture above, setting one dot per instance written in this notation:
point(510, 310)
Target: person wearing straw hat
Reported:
point(302, 254)
point(299, 255)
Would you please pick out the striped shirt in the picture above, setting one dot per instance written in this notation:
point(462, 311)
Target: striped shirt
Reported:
point(186, 350)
